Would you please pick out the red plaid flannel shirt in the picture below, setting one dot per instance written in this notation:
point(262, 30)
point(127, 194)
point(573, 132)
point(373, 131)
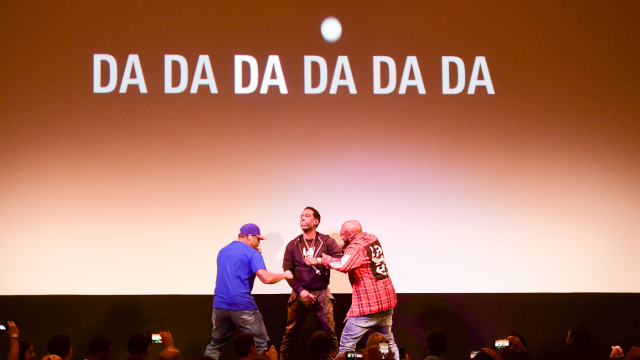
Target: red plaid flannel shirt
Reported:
point(364, 261)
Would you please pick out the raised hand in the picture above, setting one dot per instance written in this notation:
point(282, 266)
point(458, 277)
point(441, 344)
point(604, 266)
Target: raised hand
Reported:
point(616, 352)
point(167, 339)
point(516, 343)
point(270, 353)
point(12, 329)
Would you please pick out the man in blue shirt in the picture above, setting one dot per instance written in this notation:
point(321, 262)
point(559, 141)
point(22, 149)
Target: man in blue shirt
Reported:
point(233, 306)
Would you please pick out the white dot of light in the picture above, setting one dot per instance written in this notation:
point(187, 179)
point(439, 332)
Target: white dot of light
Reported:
point(331, 29)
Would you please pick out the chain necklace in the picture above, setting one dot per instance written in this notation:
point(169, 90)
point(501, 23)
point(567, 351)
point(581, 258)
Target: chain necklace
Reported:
point(309, 248)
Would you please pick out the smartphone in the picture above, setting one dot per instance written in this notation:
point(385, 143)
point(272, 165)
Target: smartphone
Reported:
point(473, 353)
point(156, 339)
point(501, 344)
point(269, 343)
point(353, 355)
point(403, 352)
point(3, 326)
point(384, 347)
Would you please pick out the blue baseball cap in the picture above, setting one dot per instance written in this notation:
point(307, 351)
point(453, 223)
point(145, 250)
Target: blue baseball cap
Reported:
point(251, 229)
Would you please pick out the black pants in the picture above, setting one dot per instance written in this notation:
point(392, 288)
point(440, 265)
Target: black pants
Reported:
point(297, 314)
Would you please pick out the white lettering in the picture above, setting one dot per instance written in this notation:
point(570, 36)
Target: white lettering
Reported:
point(184, 74)
point(273, 64)
point(377, 89)
point(133, 63)
point(97, 73)
point(339, 264)
point(204, 63)
point(480, 64)
point(411, 64)
point(343, 62)
point(308, 89)
point(446, 88)
point(253, 81)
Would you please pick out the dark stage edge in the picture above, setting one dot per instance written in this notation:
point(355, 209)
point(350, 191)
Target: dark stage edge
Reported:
point(470, 321)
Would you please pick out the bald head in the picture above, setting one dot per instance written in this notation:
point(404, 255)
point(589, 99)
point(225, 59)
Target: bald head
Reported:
point(349, 229)
point(352, 226)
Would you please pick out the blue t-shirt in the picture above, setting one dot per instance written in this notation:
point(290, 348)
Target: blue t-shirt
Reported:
point(237, 266)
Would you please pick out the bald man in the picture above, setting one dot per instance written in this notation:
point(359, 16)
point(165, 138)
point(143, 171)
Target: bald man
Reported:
point(373, 296)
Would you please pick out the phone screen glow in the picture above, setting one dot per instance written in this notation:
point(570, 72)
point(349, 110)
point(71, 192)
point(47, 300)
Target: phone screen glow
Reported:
point(384, 347)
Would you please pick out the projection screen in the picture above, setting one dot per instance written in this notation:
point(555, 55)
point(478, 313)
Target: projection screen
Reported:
point(490, 146)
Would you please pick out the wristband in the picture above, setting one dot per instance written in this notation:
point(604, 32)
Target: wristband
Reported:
point(319, 260)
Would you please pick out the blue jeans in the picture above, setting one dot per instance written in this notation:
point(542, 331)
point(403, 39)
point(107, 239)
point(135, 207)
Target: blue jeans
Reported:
point(358, 325)
point(225, 321)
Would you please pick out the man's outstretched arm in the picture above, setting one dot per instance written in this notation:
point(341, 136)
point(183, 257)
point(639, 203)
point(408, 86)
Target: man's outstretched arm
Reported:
point(352, 259)
point(272, 278)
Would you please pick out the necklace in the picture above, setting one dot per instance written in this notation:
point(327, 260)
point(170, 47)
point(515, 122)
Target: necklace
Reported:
point(309, 249)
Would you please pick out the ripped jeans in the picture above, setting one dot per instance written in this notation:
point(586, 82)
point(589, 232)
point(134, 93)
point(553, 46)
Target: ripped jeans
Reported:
point(225, 321)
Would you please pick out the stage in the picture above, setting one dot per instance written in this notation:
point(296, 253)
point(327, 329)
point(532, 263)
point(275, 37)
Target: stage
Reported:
point(470, 321)
point(493, 148)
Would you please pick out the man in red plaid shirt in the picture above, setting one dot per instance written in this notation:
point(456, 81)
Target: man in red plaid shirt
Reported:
point(373, 297)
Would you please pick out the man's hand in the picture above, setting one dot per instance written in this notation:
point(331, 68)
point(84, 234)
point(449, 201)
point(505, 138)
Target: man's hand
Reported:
point(12, 329)
point(270, 353)
point(288, 275)
point(516, 344)
point(633, 354)
point(616, 352)
point(259, 250)
point(311, 261)
point(491, 352)
point(167, 340)
point(307, 297)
